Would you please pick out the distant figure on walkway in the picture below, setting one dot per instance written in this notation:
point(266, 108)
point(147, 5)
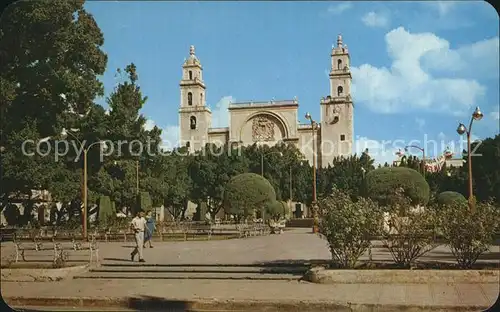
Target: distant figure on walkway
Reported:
point(150, 228)
point(138, 225)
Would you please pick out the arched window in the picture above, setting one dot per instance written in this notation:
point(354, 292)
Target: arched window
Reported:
point(192, 121)
point(188, 144)
point(339, 64)
point(201, 98)
point(340, 90)
point(190, 98)
point(190, 75)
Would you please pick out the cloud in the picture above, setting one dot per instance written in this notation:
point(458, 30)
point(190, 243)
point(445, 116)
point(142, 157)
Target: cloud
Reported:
point(149, 125)
point(442, 7)
point(495, 115)
point(406, 86)
point(372, 19)
point(479, 59)
point(441, 136)
point(380, 151)
point(339, 8)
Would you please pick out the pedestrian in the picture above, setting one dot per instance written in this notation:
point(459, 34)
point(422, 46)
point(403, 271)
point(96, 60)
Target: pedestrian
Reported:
point(138, 225)
point(150, 228)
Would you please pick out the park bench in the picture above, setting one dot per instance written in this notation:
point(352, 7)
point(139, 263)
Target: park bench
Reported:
point(244, 230)
point(114, 233)
point(7, 234)
point(60, 253)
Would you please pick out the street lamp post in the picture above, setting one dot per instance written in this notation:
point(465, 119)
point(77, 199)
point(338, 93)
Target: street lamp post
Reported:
point(423, 155)
point(64, 133)
point(476, 115)
point(262, 161)
point(314, 204)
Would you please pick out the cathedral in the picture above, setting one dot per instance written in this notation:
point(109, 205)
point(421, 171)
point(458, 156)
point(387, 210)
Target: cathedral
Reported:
point(269, 122)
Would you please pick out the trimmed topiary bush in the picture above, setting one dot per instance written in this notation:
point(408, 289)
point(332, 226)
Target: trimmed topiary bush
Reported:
point(277, 210)
point(383, 184)
point(105, 209)
point(449, 197)
point(247, 192)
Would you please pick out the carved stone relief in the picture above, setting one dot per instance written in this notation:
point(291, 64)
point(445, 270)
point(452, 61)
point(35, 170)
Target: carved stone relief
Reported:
point(262, 129)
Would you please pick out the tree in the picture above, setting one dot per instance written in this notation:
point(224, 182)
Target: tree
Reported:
point(51, 59)
point(277, 162)
point(383, 183)
point(346, 174)
point(179, 182)
point(210, 171)
point(245, 193)
point(486, 169)
point(105, 210)
point(117, 175)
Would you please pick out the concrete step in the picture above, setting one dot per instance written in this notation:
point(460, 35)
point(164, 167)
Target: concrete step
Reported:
point(279, 264)
point(201, 269)
point(189, 275)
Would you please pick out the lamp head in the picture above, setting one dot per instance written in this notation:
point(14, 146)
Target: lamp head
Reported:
point(477, 115)
point(64, 133)
point(461, 129)
point(308, 116)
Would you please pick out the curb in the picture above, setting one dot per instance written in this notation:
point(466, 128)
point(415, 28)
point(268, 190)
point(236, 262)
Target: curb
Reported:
point(41, 275)
point(162, 304)
point(324, 276)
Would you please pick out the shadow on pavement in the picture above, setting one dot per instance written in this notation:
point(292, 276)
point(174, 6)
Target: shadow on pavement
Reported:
point(149, 303)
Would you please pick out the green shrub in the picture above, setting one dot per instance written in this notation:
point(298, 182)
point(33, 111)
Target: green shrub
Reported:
point(448, 197)
point(409, 233)
point(348, 225)
point(105, 209)
point(113, 207)
point(383, 183)
point(277, 210)
point(468, 234)
point(247, 192)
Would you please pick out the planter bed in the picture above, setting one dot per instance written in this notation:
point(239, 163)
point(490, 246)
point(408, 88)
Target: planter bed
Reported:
point(422, 273)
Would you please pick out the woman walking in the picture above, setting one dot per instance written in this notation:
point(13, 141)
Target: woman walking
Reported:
point(150, 227)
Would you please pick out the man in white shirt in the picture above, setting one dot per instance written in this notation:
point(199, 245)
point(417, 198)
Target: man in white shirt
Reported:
point(138, 225)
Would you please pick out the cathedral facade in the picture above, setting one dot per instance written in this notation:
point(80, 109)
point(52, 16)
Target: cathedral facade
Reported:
point(269, 122)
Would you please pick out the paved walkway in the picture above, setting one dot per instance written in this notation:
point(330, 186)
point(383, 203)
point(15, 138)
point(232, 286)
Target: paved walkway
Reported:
point(292, 245)
point(480, 295)
point(295, 244)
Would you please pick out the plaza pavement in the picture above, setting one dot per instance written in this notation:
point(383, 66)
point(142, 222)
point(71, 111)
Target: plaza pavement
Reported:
point(295, 244)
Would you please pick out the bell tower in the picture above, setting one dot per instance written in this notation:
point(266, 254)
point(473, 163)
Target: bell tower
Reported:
point(194, 116)
point(337, 108)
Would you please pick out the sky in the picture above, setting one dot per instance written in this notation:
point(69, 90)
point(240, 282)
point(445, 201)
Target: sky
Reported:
point(419, 68)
